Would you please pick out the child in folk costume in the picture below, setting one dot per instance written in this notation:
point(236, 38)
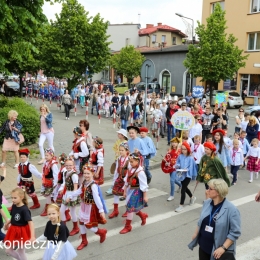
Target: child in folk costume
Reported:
point(56, 234)
point(92, 207)
point(245, 144)
point(253, 164)
point(57, 197)
point(198, 150)
point(49, 177)
point(26, 171)
point(119, 175)
point(21, 230)
point(186, 162)
point(135, 192)
point(97, 159)
point(70, 184)
point(122, 137)
point(151, 151)
point(237, 159)
point(171, 158)
point(80, 152)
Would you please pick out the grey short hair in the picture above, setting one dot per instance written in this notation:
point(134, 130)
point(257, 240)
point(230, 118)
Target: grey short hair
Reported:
point(220, 186)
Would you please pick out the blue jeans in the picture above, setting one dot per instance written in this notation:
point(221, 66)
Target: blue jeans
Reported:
point(233, 170)
point(146, 168)
point(97, 105)
point(170, 132)
point(124, 123)
point(173, 181)
point(2, 235)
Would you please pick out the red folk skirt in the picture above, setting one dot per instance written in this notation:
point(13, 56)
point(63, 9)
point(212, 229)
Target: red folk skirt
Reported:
point(118, 188)
point(100, 179)
point(251, 164)
point(17, 235)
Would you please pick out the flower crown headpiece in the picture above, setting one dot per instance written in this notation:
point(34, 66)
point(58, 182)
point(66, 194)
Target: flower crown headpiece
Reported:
point(125, 145)
point(97, 141)
point(76, 131)
point(49, 151)
point(89, 167)
point(63, 158)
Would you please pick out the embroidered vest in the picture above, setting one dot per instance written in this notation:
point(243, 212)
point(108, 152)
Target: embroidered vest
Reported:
point(94, 156)
point(122, 170)
point(133, 180)
point(87, 195)
point(24, 170)
point(69, 183)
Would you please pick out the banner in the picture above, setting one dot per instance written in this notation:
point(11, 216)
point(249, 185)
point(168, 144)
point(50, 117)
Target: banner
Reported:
point(221, 99)
point(183, 120)
point(197, 91)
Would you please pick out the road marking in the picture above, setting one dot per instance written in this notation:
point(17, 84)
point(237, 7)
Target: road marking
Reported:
point(249, 250)
point(39, 221)
point(37, 254)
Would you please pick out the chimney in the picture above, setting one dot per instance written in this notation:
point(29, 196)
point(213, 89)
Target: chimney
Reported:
point(159, 24)
point(149, 25)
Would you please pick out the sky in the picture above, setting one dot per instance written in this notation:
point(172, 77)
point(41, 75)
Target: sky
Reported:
point(138, 11)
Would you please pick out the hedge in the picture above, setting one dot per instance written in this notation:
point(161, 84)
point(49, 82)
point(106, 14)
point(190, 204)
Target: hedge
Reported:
point(27, 115)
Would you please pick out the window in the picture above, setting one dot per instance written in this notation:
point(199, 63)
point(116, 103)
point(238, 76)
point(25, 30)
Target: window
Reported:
point(222, 4)
point(251, 83)
point(255, 6)
point(154, 38)
point(174, 42)
point(163, 38)
point(254, 41)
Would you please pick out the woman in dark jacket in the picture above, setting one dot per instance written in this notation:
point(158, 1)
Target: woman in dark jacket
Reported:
point(125, 114)
point(252, 129)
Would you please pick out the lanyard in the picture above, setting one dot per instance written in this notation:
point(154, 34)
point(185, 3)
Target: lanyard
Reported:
point(212, 214)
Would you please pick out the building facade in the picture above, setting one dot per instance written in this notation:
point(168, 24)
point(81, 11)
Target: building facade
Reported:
point(170, 72)
point(243, 21)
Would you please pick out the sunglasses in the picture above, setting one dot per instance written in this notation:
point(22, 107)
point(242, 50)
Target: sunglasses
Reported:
point(211, 188)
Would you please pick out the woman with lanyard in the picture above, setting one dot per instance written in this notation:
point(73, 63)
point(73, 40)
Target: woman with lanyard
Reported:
point(218, 213)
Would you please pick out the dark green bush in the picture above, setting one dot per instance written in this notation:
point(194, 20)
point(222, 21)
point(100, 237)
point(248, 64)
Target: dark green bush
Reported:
point(3, 101)
point(27, 115)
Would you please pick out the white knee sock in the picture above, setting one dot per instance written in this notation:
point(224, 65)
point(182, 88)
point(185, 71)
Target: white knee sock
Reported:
point(73, 214)
point(21, 252)
point(116, 199)
point(94, 229)
point(130, 216)
point(62, 212)
point(83, 229)
point(251, 175)
point(13, 253)
point(48, 199)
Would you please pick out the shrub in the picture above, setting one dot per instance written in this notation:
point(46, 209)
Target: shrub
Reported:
point(27, 115)
point(3, 101)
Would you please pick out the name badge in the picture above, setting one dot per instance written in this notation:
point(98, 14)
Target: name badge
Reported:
point(209, 229)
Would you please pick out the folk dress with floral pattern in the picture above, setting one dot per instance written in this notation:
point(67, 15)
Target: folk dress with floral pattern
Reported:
point(210, 167)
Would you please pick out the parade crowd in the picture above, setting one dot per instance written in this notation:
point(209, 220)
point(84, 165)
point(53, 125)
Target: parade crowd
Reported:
point(72, 179)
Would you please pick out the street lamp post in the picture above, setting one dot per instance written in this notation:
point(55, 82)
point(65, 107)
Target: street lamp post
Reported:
point(180, 15)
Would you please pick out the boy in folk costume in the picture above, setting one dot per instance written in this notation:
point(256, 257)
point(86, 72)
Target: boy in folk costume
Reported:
point(92, 207)
point(26, 171)
point(151, 151)
point(135, 192)
point(97, 159)
point(49, 177)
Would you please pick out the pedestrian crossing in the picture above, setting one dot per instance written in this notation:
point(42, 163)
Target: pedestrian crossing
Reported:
point(153, 193)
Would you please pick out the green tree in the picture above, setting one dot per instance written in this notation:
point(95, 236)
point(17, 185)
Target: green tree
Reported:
point(215, 57)
point(128, 62)
point(19, 28)
point(73, 43)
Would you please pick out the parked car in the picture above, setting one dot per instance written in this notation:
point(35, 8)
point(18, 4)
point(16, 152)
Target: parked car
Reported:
point(13, 88)
point(152, 87)
point(234, 98)
point(121, 88)
point(252, 110)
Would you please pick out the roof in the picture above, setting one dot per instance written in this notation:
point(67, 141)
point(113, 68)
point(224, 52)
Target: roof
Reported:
point(150, 30)
point(142, 49)
point(174, 48)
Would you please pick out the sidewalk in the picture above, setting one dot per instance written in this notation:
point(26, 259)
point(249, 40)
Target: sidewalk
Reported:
point(63, 142)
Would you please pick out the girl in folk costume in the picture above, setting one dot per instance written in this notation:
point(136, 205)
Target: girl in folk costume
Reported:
point(49, 177)
point(198, 150)
point(211, 167)
point(186, 163)
point(56, 233)
point(57, 196)
point(169, 162)
point(253, 164)
point(80, 152)
point(97, 160)
point(222, 150)
point(122, 137)
point(21, 230)
point(237, 159)
point(25, 177)
point(119, 175)
point(135, 192)
point(70, 184)
point(92, 208)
